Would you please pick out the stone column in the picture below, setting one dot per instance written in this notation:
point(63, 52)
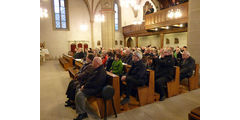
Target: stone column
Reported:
point(161, 40)
point(108, 32)
point(193, 41)
point(92, 39)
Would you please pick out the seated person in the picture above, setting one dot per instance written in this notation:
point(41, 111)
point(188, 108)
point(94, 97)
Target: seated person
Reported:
point(128, 57)
point(166, 73)
point(117, 66)
point(187, 67)
point(78, 55)
point(136, 75)
point(93, 86)
point(104, 58)
point(109, 60)
point(177, 54)
point(79, 80)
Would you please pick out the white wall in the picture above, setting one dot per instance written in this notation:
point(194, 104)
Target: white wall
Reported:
point(57, 41)
point(153, 40)
point(181, 36)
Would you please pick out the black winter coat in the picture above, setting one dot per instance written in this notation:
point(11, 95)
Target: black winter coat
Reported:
point(138, 71)
point(187, 66)
point(166, 67)
point(96, 82)
point(128, 59)
point(78, 55)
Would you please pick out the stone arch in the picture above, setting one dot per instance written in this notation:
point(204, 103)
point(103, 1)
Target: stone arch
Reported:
point(129, 42)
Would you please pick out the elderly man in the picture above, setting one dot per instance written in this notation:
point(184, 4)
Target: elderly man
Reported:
point(93, 86)
point(165, 74)
point(187, 66)
point(79, 80)
point(128, 58)
point(136, 76)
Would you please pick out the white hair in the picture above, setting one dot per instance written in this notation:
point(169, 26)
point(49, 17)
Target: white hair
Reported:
point(186, 52)
point(138, 54)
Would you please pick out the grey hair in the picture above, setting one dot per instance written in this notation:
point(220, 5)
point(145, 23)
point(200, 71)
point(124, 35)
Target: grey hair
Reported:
point(186, 52)
point(138, 54)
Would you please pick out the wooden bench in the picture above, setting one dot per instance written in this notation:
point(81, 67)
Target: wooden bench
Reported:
point(193, 82)
point(72, 72)
point(173, 86)
point(98, 103)
point(145, 93)
point(66, 61)
point(194, 114)
point(69, 59)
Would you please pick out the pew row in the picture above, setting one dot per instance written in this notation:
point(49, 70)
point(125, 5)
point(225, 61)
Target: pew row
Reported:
point(193, 81)
point(145, 93)
point(66, 61)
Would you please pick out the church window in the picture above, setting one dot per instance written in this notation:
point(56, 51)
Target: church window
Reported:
point(60, 15)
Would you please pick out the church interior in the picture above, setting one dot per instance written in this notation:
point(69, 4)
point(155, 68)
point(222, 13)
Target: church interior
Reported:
point(161, 35)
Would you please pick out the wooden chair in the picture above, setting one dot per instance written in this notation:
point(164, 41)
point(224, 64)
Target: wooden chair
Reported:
point(193, 81)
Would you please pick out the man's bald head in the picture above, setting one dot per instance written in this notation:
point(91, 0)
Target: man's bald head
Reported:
point(97, 61)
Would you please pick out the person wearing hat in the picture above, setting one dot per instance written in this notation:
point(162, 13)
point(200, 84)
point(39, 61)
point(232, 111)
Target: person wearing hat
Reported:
point(136, 75)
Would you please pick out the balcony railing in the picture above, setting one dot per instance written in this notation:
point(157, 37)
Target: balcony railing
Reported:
point(133, 29)
point(162, 18)
point(157, 20)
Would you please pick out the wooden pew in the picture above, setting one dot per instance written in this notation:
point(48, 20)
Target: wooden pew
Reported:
point(173, 86)
point(194, 114)
point(98, 103)
point(193, 82)
point(78, 64)
point(66, 61)
point(145, 93)
point(72, 72)
point(69, 59)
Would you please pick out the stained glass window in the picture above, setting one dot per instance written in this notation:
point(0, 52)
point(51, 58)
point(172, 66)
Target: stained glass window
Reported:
point(116, 16)
point(60, 14)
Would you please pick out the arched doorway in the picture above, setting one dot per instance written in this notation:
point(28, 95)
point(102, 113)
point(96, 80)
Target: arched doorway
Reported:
point(129, 42)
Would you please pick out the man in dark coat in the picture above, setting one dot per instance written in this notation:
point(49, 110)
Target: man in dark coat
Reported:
point(187, 67)
point(78, 55)
point(128, 58)
point(136, 76)
point(165, 74)
point(93, 86)
point(80, 80)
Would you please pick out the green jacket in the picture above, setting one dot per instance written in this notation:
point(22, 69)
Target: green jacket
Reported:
point(117, 67)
